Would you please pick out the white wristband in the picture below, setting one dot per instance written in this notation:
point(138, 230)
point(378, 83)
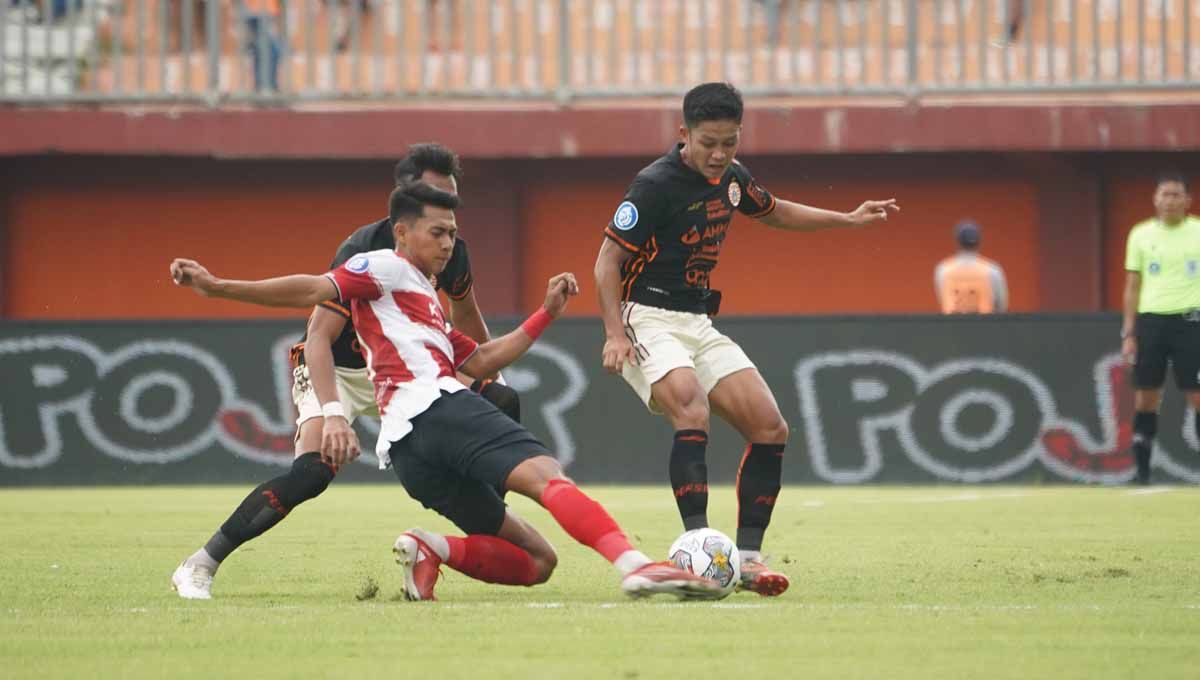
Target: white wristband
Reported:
point(331, 409)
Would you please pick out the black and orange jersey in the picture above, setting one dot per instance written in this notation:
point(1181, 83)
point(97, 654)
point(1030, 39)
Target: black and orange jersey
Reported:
point(455, 279)
point(673, 220)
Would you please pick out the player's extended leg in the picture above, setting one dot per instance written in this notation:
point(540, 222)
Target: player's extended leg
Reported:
point(745, 402)
point(270, 501)
point(585, 520)
point(262, 509)
point(681, 398)
point(517, 556)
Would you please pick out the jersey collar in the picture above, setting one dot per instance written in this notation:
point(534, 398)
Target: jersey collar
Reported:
point(676, 157)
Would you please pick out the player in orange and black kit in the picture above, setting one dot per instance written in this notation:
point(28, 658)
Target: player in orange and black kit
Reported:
point(653, 275)
point(329, 364)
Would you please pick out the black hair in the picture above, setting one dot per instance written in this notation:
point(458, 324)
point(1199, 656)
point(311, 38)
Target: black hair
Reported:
point(712, 101)
point(427, 156)
point(409, 199)
point(1172, 176)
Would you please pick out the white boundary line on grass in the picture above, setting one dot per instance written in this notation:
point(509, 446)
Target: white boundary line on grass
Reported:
point(966, 497)
point(1152, 490)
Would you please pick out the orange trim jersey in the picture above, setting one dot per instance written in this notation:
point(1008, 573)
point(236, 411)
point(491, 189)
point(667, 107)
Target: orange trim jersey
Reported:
point(673, 221)
point(970, 284)
point(455, 280)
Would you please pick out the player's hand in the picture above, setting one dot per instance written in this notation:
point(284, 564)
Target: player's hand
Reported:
point(873, 211)
point(339, 442)
point(559, 289)
point(1129, 350)
point(618, 350)
point(191, 273)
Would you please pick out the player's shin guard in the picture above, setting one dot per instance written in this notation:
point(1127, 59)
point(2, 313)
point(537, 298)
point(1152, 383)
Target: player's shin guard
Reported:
point(585, 520)
point(270, 502)
point(492, 560)
point(1145, 426)
point(759, 479)
point(689, 477)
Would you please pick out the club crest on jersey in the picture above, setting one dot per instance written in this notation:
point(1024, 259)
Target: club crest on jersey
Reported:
point(735, 193)
point(1155, 267)
point(626, 216)
point(358, 264)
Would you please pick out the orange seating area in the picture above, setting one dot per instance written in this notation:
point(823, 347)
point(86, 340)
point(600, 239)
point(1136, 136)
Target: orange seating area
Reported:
point(407, 48)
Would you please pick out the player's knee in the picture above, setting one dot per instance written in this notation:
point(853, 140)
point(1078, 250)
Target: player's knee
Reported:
point(546, 563)
point(309, 477)
point(691, 413)
point(504, 398)
point(308, 436)
point(774, 432)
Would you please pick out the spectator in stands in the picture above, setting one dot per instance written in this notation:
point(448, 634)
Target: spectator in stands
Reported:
point(262, 19)
point(967, 282)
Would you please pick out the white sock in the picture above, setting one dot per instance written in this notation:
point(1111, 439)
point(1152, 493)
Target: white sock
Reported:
point(436, 541)
point(631, 560)
point(751, 555)
point(201, 558)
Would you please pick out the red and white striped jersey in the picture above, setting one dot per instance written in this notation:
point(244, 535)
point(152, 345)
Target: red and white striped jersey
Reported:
point(412, 352)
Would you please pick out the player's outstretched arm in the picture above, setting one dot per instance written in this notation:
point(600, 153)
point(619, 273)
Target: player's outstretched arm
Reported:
point(799, 217)
point(297, 290)
point(502, 351)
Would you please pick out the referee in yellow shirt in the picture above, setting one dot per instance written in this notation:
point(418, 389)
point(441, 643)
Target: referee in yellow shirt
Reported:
point(1162, 311)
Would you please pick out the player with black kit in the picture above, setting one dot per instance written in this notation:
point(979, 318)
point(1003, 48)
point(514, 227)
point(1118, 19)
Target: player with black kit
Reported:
point(652, 277)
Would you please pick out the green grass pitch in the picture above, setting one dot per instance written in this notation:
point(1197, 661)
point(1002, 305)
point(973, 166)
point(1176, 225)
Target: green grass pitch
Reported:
point(887, 582)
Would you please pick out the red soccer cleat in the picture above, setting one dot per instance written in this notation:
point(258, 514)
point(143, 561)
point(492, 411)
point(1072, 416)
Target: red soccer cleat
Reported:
point(757, 578)
point(664, 577)
point(420, 564)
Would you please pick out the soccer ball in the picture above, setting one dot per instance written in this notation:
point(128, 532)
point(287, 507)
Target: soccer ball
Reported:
point(708, 553)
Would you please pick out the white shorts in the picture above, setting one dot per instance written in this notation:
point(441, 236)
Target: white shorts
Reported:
point(667, 340)
point(355, 391)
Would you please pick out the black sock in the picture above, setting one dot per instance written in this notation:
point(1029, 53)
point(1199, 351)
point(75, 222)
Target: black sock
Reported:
point(689, 477)
point(1196, 424)
point(270, 502)
point(759, 479)
point(1145, 426)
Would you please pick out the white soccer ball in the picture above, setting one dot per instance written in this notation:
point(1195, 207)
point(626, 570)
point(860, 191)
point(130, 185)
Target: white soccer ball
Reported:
point(708, 553)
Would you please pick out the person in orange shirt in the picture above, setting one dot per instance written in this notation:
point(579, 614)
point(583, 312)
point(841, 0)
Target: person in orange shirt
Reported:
point(967, 282)
point(263, 22)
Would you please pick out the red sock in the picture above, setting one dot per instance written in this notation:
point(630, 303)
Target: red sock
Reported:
point(491, 560)
point(584, 519)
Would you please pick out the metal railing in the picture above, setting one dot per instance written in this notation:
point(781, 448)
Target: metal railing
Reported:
point(283, 51)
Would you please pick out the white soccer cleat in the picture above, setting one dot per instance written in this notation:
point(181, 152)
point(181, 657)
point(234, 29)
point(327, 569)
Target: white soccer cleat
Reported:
point(192, 582)
point(664, 577)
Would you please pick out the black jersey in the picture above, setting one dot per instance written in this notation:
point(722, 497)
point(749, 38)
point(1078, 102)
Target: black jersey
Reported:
point(455, 279)
point(673, 220)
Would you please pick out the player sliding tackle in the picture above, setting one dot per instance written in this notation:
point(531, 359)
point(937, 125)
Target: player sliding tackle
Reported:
point(453, 451)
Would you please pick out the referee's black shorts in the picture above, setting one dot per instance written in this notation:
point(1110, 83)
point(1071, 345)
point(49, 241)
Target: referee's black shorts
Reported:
point(1163, 337)
point(458, 457)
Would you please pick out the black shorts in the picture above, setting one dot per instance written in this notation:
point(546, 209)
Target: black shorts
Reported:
point(1163, 337)
point(458, 457)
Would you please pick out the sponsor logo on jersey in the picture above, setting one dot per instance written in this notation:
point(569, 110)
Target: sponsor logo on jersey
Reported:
point(626, 216)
